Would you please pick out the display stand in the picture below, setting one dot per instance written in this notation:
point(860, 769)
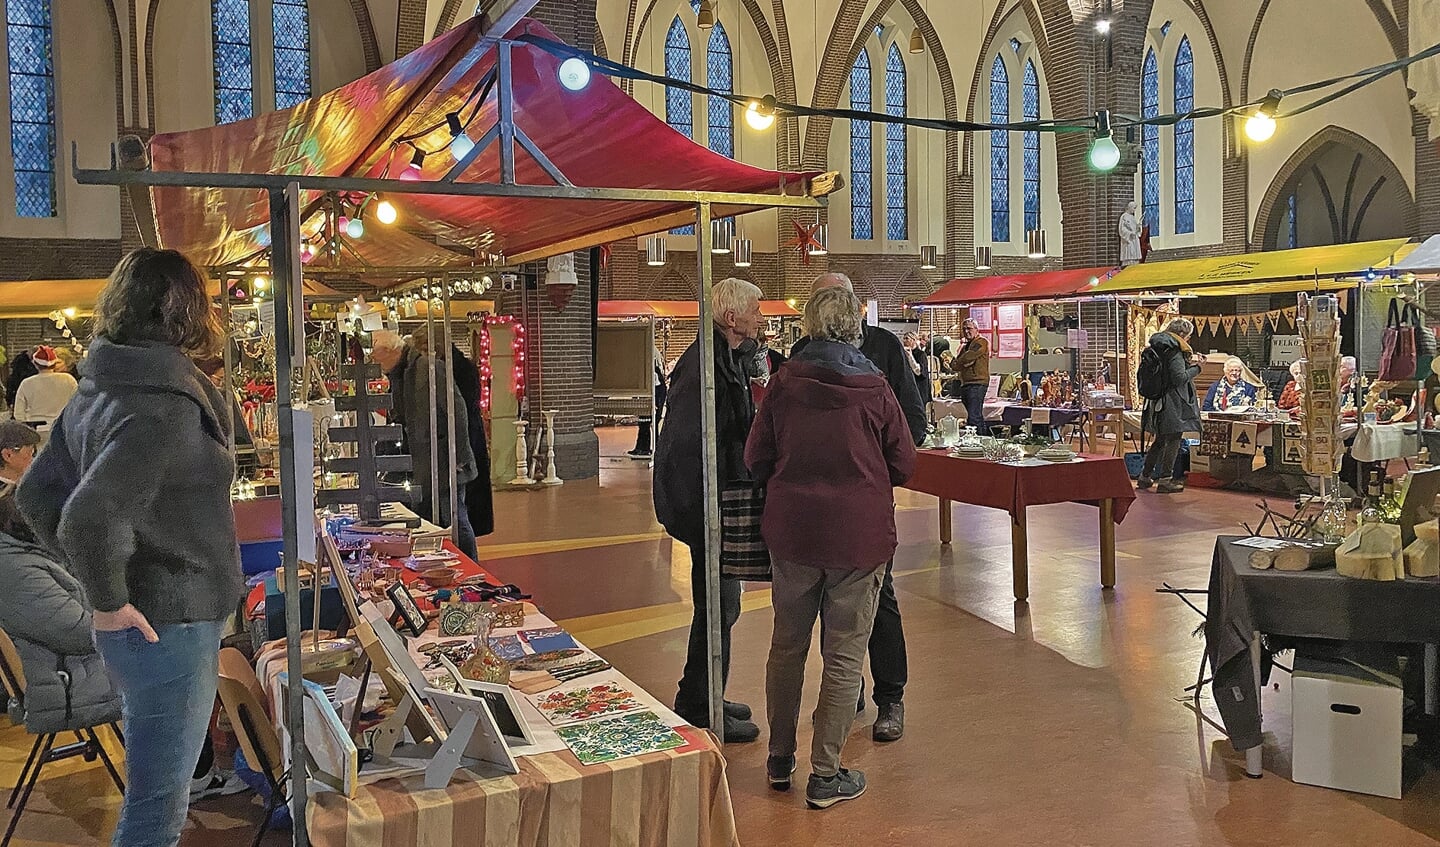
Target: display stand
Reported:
point(364, 434)
point(521, 452)
point(551, 477)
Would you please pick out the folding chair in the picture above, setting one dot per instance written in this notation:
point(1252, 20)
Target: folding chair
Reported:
point(241, 696)
point(44, 751)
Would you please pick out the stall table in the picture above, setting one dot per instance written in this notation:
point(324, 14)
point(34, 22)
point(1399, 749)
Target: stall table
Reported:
point(673, 798)
point(1245, 603)
point(1013, 487)
point(1008, 412)
point(1375, 442)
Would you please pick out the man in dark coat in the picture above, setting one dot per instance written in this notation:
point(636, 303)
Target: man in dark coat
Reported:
point(679, 497)
point(888, 662)
point(1175, 414)
point(479, 502)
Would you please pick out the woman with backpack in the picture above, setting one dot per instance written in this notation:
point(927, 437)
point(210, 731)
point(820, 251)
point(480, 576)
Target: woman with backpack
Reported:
point(1166, 379)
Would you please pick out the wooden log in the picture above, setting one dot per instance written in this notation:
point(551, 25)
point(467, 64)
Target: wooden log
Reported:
point(1303, 557)
point(1262, 559)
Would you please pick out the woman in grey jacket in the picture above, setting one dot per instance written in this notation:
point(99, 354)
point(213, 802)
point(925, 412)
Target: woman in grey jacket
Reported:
point(133, 494)
point(43, 611)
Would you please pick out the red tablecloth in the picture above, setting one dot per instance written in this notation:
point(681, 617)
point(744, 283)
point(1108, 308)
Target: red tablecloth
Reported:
point(1014, 487)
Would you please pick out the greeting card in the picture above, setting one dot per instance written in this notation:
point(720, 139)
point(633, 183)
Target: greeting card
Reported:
point(632, 734)
point(573, 705)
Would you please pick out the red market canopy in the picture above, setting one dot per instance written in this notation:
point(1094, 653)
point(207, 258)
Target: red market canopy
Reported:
point(682, 309)
point(1014, 288)
point(598, 137)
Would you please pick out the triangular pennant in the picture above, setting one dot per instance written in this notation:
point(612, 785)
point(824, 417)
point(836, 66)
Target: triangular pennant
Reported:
point(1290, 314)
point(1228, 322)
point(1246, 324)
point(1274, 318)
point(1214, 324)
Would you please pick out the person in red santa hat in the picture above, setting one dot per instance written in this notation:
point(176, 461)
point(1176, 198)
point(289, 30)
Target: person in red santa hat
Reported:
point(43, 396)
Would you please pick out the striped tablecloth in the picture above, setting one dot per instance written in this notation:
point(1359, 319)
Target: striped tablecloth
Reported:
point(676, 798)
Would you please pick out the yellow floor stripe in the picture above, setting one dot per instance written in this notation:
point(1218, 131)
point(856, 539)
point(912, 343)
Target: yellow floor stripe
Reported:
point(535, 548)
point(617, 627)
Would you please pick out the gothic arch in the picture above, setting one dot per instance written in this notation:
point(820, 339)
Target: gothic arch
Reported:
point(1387, 23)
point(1268, 214)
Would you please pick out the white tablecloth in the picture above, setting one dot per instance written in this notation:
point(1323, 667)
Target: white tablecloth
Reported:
point(1382, 442)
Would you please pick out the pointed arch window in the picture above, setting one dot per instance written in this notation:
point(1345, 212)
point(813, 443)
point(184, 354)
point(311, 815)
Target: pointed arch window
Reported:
point(234, 83)
point(32, 106)
point(1184, 139)
point(1030, 105)
point(679, 104)
point(291, 19)
point(1292, 223)
point(862, 153)
point(897, 188)
point(999, 153)
point(1150, 143)
point(720, 75)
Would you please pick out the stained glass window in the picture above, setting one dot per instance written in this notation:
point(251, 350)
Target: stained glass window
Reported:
point(292, 52)
point(1164, 28)
point(32, 106)
point(897, 189)
point(999, 153)
point(1291, 223)
point(679, 105)
point(1184, 139)
point(1015, 44)
point(234, 100)
point(1030, 102)
point(862, 154)
point(1150, 144)
point(720, 74)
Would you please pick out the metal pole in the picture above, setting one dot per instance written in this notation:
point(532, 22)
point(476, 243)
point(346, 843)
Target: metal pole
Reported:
point(449, 366)
point(710, 477)
point(228, 381)
point(285, 263)
point(507, 116)
point(434, 492)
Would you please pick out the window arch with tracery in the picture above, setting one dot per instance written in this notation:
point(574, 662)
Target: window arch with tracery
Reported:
point(720, 75)
point(999, 153)
point(862, 153)
point(1150, 144)
point(291, 25)
point(679, 103)
point(897, 189)
point(1184, 139)
point(1030, 106)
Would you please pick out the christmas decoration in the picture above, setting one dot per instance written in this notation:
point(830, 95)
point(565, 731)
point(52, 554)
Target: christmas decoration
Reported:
point(806, 239)
point(517, 347)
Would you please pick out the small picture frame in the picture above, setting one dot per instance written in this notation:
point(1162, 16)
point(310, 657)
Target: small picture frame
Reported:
point(406, 608)
point(501, 700)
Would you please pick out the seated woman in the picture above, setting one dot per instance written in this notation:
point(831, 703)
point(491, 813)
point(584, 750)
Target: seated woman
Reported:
point(1230, 391)
point(1290, 396)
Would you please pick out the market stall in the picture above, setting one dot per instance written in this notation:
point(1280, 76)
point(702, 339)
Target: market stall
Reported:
point(238, 194)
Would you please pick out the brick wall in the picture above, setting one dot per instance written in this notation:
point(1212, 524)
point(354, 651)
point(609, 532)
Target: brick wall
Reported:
point(57, 258)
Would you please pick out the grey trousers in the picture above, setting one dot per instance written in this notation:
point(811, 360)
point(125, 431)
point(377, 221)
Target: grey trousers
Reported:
point(847, 600)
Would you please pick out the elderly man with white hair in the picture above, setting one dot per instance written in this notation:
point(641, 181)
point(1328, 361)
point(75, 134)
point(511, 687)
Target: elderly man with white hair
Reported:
point(679, 497)
point(888, 662)
point(410, 372)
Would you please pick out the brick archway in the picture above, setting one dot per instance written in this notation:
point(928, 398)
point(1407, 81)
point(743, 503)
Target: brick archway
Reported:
point(1266, 216)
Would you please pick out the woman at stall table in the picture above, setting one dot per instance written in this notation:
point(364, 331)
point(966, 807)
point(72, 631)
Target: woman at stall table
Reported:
point(1290, 394)
point(133, 494)
point(1174, 414)
point(1230, 391)
point(829, 443)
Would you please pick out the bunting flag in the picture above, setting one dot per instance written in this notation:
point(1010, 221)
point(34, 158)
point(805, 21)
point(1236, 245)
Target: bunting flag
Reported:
point(1227, 323)
point(1274, 318)
point(1291, 314)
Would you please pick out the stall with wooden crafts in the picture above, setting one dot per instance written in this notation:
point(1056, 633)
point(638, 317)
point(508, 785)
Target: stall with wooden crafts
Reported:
point(235, 196)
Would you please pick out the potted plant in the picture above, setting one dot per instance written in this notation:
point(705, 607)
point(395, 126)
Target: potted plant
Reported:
point(1031, 442)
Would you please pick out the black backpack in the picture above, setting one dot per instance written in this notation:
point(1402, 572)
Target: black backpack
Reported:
point(1152, 379)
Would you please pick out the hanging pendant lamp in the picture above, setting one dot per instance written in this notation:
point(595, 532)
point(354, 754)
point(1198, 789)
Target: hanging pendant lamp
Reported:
point(917, 43)
point(821, 246)
point(1035, 239)
point(927, 257)
point(742, 252)
point(655, 251)
point(982, 258)
point(722, 231)
point(705, 15)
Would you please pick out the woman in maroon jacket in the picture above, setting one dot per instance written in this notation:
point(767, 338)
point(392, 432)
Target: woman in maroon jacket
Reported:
point(829, 443)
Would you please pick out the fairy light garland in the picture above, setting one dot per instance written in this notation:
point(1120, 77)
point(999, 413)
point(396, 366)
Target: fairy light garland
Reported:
point(517, 348)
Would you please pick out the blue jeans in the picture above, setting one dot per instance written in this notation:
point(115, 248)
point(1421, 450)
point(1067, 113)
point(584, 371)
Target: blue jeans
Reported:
point(169, 693)
point(973, 396)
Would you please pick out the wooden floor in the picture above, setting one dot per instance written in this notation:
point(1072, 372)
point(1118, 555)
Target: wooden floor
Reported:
point(1061, 721)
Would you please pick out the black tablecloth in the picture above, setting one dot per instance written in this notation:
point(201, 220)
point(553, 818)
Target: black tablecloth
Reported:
point(1299, 604)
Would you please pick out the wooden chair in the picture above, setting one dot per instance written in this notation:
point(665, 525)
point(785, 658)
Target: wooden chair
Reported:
point(44, 751)
point(1110, 422)
point(242, 697)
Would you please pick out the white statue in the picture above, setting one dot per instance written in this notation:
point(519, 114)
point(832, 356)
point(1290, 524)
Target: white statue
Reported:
point(1129, 230)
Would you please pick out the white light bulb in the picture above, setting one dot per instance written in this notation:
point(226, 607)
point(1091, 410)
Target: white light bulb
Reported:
point(1104, 154)
point(355, 228)
point(574, 73)
point(460, 146)
point(1102, 26)
point(385, 212)
point(1259, 127)
point(757, 119)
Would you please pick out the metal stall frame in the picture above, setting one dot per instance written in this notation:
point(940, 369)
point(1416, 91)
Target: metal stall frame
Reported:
point(283, 191)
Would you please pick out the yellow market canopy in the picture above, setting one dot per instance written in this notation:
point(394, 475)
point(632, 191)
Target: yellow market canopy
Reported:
point(1277, 271)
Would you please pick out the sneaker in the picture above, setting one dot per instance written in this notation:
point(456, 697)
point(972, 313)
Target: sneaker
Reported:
point(1169, 486)
point(1144, 483)
point(824, 792)
point(638, 454)
point(739, 711)
point(779, 769)
point(890, 724)
point(216, 783)
point(739, 731)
